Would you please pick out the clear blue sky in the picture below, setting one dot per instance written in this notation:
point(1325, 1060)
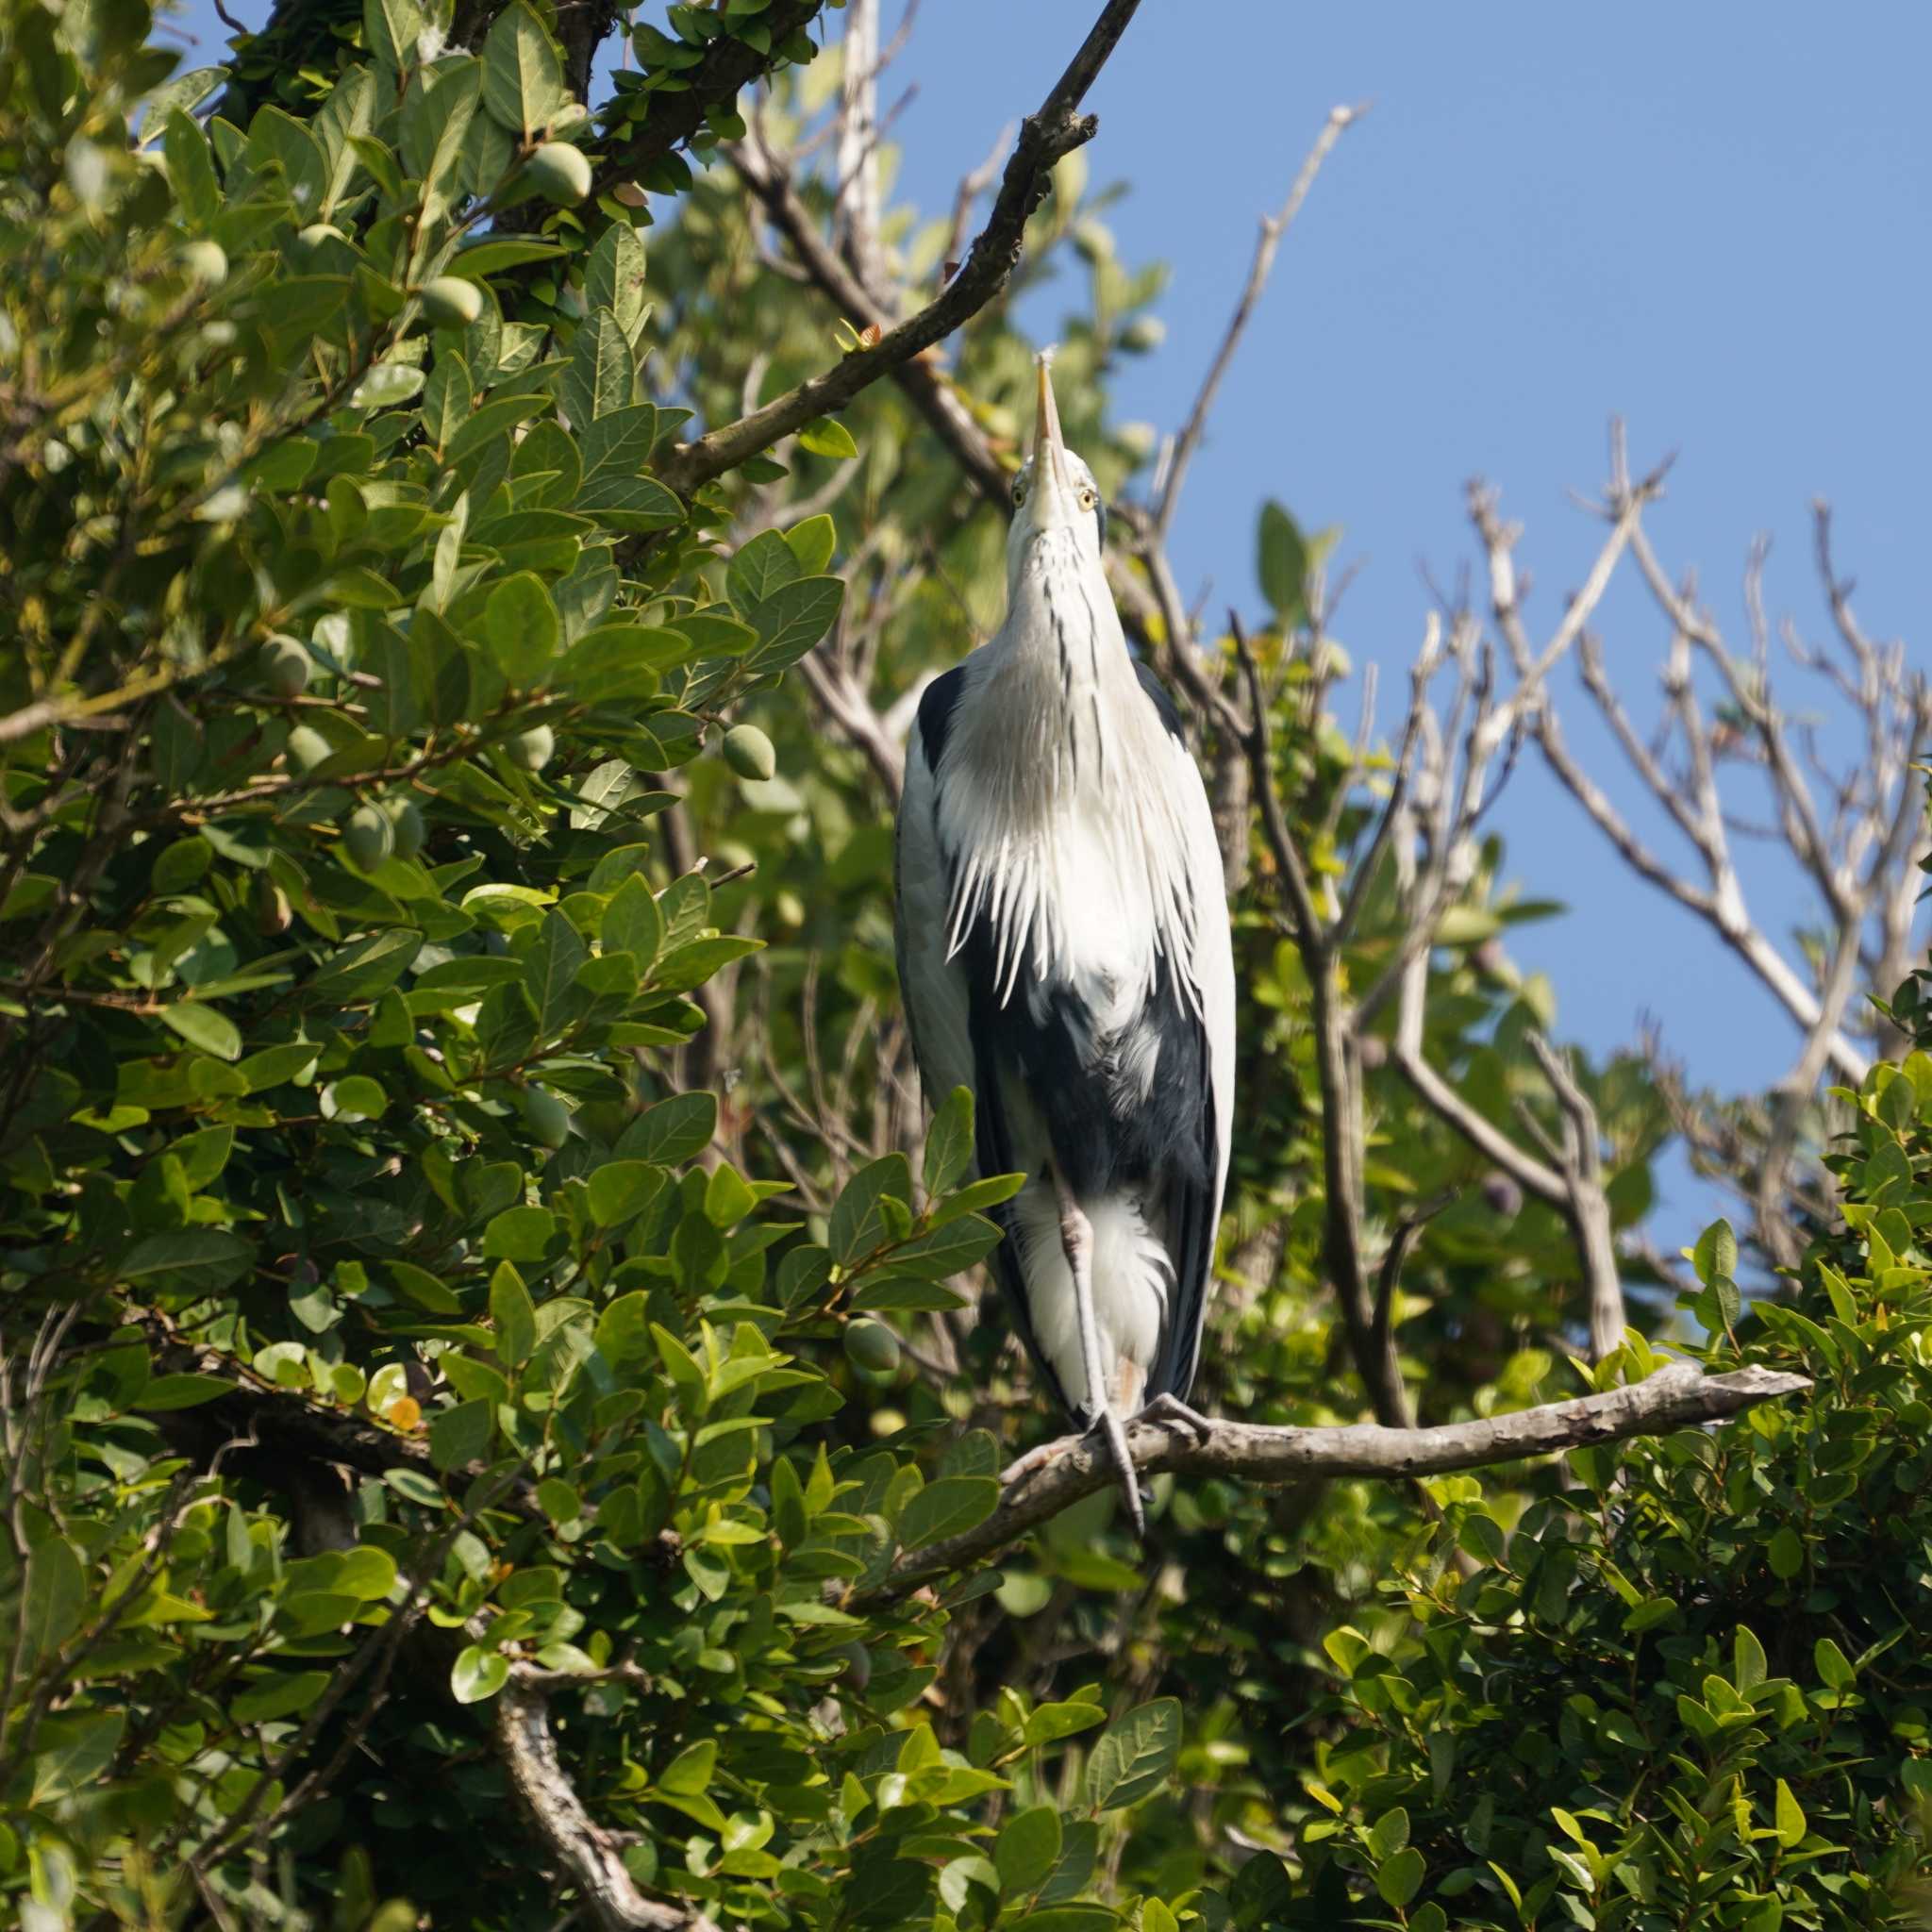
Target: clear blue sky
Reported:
point(1713, 221)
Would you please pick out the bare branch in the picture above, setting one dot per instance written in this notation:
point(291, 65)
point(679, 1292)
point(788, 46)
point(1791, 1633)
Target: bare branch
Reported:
point(1672, 1398)
point(591, 1856)
point(1054, 132)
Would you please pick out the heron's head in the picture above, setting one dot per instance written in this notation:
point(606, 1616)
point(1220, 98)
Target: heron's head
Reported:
point(1059, 519)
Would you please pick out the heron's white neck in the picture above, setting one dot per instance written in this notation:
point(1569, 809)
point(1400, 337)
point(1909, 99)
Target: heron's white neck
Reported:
point(1062, 759)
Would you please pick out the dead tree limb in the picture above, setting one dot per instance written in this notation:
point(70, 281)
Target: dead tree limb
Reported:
point(1675, 1397)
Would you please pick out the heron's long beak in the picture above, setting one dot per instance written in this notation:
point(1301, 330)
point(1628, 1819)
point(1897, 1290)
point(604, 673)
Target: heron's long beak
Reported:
point(1047, 447)
point(1051, 506)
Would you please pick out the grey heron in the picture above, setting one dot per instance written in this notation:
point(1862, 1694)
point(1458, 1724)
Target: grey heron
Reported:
point(1064, 953)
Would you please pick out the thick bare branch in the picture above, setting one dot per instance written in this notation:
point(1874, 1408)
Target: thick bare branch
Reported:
point(591, 1856)
point(1675, 1397)
point(1054, 132)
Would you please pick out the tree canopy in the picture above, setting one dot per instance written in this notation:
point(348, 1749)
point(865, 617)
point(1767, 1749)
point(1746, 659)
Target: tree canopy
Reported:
point(499, 1426)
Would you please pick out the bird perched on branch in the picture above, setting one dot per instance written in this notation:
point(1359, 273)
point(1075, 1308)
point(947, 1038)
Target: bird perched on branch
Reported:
point(1064, 952)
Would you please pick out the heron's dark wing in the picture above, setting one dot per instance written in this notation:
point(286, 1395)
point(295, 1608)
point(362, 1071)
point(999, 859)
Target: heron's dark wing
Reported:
point(932, 986)
point(956, 1038)
point(1196, 1080)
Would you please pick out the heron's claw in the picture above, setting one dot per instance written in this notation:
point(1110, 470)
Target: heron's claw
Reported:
point(1035, 1458)
point(1171, 1412)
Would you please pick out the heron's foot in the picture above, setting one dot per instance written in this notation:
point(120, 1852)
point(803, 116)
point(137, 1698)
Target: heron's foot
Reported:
point(1035, 1459)
point(1171, 1412)
point(1109, 1426)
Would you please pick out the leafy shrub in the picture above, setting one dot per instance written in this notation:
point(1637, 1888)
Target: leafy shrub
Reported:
point(1690, 1688)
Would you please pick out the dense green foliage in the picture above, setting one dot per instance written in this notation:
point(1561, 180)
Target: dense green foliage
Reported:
point(469, 1249)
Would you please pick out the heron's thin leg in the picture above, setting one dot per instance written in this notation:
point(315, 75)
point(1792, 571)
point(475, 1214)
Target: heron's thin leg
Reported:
point(1076, 1239)
point(1174, 1413)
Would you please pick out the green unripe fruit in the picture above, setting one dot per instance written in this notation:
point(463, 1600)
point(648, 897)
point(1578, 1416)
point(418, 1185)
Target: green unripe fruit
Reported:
point(872, 1345)
point(286, 668)
point(749, 753)
point(369, 836)
point(547, 1116)
point(405, 823)
point(1093, 241)
point(1144, 332)
point(450, 302)
point(858, 1664)
point(272, 914)
point(560, 173)
point(308, 747)
point(207, 261)
point(532, 749)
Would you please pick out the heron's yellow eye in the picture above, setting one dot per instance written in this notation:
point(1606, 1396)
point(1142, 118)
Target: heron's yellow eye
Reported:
point(1019, 490)
point(1088, 499)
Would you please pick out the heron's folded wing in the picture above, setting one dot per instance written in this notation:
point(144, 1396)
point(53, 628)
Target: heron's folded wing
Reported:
point(933, 987)
point(1197, 1183)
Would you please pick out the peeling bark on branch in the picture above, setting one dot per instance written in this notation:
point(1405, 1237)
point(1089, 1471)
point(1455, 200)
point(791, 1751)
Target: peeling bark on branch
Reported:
point(1248, 1452)
point(591, 1856)
point(1046, 138)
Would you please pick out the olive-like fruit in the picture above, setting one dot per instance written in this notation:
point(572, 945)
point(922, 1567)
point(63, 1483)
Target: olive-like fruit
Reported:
point(286, 667)
point(368, 836)
point(858, 1664)
point(1093, 241)
point(207, 261)
point(308, 747)
point(548, 1117)
point(1144, 333)
point(560, 173)
point(749, 753)
point(450, 302)
point(532, 749)
point(872, 1345)
point(272, 913)
point(405, 823)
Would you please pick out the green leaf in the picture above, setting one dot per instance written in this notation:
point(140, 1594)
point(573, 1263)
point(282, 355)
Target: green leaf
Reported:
point(1028, 1844)
point(949, 1142)
point(1748, 1663)
point(1399, 1878)
point(204, 1027)
point(521, 623)
point(1785, 1553)
point(620, 1190)
point(55, 1588)
point(1715, 1256)
point(857, 1226)
point(523, 71)
point(614, 276)
point(513, 1315)
point(825, 436)
point(1832, 1666)
point(1134, 1755)
point(793, 618)
point(390, 29)
point(632, 924)
point(460, 1436)
point(550, 972)
point(949, 1506)
point(1790, 1818)
point(812, 544)
point(688, 1775)
point(763, 566)
point(599, 376)
point(1282, 563)
point(672, 1131)
point(477, 1675)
